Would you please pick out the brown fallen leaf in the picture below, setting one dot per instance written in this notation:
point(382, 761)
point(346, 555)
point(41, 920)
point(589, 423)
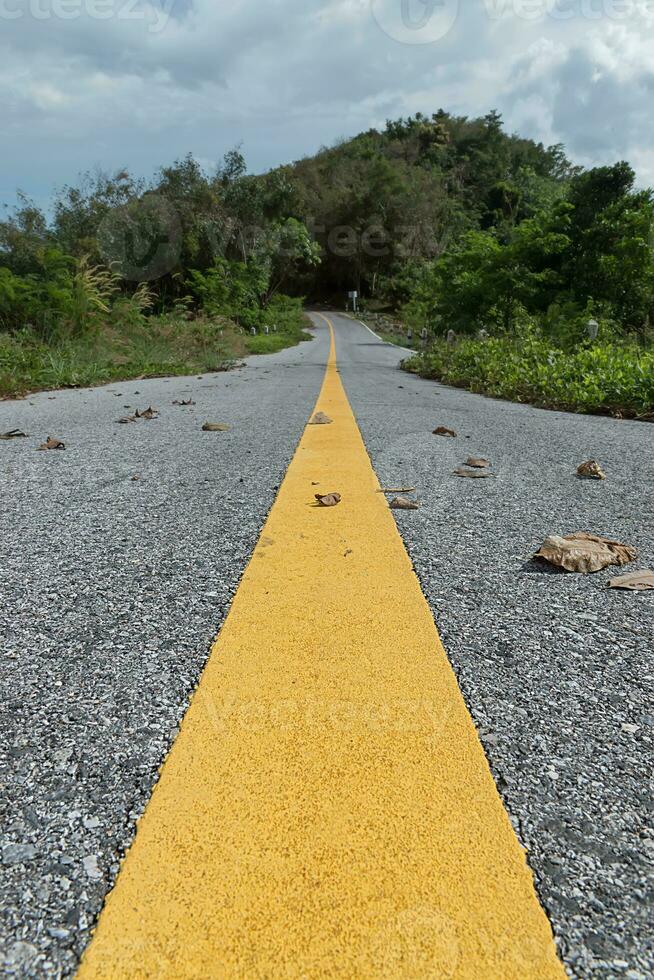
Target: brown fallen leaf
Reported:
point(476, 463)
point(591, 471)
point(473, 474)
point(51, 443)
point(443, 430)
point(148, 413)
point(328, 499)
point(321, 419)
point(187, 401)
point(402, 503)
point(634, 581)
point(215, 427)
point(583, 552)
point(13, 434)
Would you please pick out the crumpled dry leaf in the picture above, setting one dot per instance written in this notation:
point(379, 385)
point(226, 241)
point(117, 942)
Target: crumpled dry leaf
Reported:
point(403, 503)
point(328, 499)
point(473, 474)
point(187, 401)
point(321, 419)
point(215, 427)
point(13, 434)
point(148, 413)
point(477, 463)
point(443, 430)
point(591, 471)
point(583, 552)
point(51, 443)
point(634, 581)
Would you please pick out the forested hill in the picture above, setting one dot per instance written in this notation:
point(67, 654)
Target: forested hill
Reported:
point(404, 194)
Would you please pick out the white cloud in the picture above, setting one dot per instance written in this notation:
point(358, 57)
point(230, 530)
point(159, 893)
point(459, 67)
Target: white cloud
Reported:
point(287, 76)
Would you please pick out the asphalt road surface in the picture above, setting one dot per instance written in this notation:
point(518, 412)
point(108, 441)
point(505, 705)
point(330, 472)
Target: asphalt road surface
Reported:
point(113, 589)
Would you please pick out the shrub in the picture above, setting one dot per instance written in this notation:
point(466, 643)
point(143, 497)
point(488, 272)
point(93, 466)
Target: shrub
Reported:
point(601, 377)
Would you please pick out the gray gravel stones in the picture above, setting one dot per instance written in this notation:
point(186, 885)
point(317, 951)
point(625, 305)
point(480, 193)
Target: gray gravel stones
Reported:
point(111, 592)
point(554, 666)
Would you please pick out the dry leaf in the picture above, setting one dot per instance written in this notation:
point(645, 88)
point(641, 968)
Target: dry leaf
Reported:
point(13, 434)
point(402, 503)
point(591, 471)
point(634, 581)
point(215, 427)
point(188, 401)
point(476, 463)
point(442, 430)
point(583, 552)
point(328, 499)
point(472, 474)
point(321, 419)
point(51, 443)
point(149, 413)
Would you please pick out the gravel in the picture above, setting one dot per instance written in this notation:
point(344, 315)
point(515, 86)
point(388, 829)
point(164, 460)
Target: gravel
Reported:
point(556, 669)
point(112, 590)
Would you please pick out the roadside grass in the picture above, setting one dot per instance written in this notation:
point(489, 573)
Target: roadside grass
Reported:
point(604, 377)
point(271, 343)
point(399, 340)
point(157, 346)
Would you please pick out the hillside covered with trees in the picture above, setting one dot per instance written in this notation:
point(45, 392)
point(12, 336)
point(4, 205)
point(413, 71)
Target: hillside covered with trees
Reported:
point(449, 223)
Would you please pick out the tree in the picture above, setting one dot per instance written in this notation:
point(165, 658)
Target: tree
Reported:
point(610, 255)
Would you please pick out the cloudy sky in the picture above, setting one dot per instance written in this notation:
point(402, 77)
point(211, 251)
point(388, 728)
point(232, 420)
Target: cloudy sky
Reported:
point(133, 83)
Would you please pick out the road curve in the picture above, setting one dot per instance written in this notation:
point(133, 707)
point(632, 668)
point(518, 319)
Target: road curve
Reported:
point(113, 588)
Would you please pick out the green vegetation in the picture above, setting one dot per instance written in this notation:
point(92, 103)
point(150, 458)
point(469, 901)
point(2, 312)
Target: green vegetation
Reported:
point(603, 377)
point(450, 224)
point(463, 231)
point(165, 345)
point(181, 276)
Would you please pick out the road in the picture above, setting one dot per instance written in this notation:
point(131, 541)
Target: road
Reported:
point(113, 589)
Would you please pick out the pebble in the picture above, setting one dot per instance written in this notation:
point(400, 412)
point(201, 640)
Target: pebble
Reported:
point(18, 853)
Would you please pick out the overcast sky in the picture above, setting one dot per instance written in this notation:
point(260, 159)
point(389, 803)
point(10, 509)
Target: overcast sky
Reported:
point(128, 83)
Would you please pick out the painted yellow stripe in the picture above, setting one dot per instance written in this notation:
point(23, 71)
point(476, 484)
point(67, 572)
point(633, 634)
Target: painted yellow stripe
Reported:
point(327, 809)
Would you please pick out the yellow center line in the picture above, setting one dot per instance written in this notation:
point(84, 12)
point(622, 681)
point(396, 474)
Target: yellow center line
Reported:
point(327, 809)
